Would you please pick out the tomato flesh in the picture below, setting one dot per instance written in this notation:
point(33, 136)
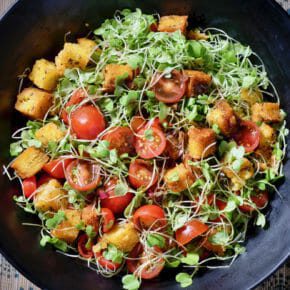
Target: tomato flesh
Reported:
point(82, 249)
point(170, 89)
point(149, 216)
point(248, 136)
point(83, 175)
point(56, 168)
point(189, 231)
point(150, 142)
point(141, 174)
point(107, 264)
point(29, 186)
point(108, 219)
point(87, 122)
point(261, 200)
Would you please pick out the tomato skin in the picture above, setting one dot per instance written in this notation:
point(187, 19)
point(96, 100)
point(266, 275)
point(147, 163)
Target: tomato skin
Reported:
point(44, 178)
point(136, 123)
point(116, 204)
point(56, 168)
point(248, 135)
point(134, 263)
point(149, 216)
point(148, 149)
point(85, 170)
point(29, 186)
point(122, 139)
point(83, 251)
point(107, 264)
point(141, 173)
point(170, 90)
point(189, 231)
point(261, 200)
point(77, 96)
point(87, 122)
point(108, 219)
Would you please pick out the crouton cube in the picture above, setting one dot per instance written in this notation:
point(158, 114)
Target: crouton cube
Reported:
point(112, 71)
point(50, 196)
point(251, 96)
point(197, 35)
point(179, 178)
point(123, 236)
point(198, 83)
point(201, 142)
point(67, 230)
point(73, 55)
point(29, 162)
point(266, 112)
point(33, 103)
point(87, 44)
point(267, 135)
point(224, 116)
point(90, 217)
point(172, 23)
point(49, 133)
point(44, 74)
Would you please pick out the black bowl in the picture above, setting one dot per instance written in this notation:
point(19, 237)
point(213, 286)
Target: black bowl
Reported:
point(36, 28)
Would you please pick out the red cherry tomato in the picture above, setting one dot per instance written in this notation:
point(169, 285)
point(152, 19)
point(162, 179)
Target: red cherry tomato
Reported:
point(116, 204)
point(44, 178)
point(248, 136)
point(108, 219)
point(153, 27)
point(149, 216)
point(150, 142)
point(56, 168)
point(29, 186)
point(82, 249)
point(83, 175)
point(141, 174)
point(122, 139)
point(172, 89)
point(153, 261)
point(137, 123)
point(107, 264)
point(189, 231)
point(77, 96)
point(261, 200)
point(221, 206)
point(87, 122)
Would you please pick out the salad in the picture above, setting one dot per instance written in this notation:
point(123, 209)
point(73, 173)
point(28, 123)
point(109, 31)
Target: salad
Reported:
point(149, 146)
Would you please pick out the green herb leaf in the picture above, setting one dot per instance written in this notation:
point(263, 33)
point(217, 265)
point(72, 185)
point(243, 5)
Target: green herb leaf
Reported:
point(155, 240)
point(121, 188)
point(130, 282)
point(219, 238)
point(55, 220)
point(15, 148)
point(190, 259)
point(59, 244)
point(113, 254)
point(184, 279)
point(261, 220)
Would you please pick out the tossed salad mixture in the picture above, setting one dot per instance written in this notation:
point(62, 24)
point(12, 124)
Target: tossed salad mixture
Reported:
point(148, 146)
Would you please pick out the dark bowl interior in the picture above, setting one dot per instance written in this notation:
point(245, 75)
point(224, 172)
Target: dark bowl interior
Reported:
point(36, 28)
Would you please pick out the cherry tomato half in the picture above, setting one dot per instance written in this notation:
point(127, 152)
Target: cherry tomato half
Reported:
point(122, 139)
point(56, 168)
point(150, 142)
point(189, 231)
point(153, 261)
point(107, 264)
point(83, 175)
point(82, 247)
point(44, 178)
point(137, 123)
point(248, 136)
point(116, 204)
point(170, 89)
point(77, 96)
point(261, 200)
point(87, 122)
point(149, 216)
point(29, 186)
point(108, 219)
point(141, 174)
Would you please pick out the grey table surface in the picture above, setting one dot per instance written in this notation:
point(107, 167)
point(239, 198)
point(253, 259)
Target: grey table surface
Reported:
point(11, 279)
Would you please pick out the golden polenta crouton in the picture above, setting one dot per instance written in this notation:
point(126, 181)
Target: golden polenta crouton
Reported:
point(50, 197)
point(201, 142)
point(90, 217)
point(29, 162)
point(198, 83)
point(123, 236)
point(33, 103)
point(223, 115)
point(267, 135)
point(172, 23)
point(67, 230)
point(73, 55)
point(197, 35)
point(44, 74)
point(179, 178)
point(251, 96)
point(112, 71)
point(266, 112)
point(87, 44)
point(49, 133)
